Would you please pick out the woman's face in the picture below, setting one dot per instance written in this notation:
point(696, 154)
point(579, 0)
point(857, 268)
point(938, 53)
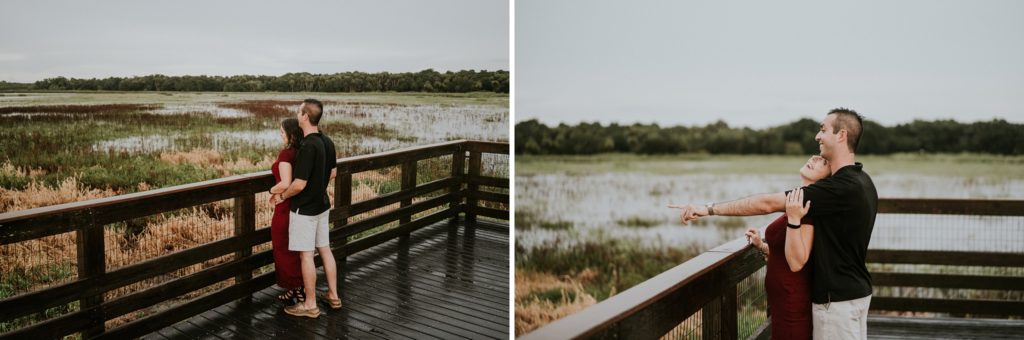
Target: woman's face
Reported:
point(815, 169)
point(284, 136)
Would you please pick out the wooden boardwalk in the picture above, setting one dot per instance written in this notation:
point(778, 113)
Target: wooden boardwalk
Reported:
point(442, 282)
point(888, 327)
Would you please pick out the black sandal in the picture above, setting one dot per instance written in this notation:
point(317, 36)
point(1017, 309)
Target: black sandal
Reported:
point(293, 295)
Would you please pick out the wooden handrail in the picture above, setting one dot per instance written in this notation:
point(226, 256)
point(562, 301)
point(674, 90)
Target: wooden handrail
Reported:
point(653, 307)
point(942, 206)
point(88, 219)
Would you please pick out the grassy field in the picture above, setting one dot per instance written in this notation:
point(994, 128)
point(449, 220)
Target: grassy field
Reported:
point(590, 226)
point(67, 147)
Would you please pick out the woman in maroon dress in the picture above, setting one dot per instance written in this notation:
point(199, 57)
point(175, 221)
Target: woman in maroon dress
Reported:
point(787, 281)
point(286, 262)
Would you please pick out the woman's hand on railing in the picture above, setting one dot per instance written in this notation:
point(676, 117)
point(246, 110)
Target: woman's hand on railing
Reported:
point(754, 238)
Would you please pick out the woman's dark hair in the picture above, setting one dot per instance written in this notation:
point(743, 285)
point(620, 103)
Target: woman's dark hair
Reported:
point(292, 130)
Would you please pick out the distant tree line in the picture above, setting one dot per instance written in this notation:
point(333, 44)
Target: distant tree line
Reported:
point(6, 86)
point(797, 138)
point(423, 81)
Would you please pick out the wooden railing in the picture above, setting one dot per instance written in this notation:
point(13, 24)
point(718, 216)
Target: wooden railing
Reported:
point(708, 283)
point(952, 261)
point(88, 218)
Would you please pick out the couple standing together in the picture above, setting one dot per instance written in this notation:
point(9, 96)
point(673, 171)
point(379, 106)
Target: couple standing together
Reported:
point(302, 172)
point(828, 222)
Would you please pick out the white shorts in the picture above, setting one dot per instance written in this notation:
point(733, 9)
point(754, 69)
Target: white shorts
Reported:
point(841, 320)
point(304, 230)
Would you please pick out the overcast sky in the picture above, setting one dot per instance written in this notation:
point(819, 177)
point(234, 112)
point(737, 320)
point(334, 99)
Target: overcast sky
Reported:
point(85, 39)
point(763, 63)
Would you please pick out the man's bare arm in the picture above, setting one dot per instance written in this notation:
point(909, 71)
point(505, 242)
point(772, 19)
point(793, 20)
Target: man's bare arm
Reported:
point(750, 206)
point(294, 189)
point(754, 205)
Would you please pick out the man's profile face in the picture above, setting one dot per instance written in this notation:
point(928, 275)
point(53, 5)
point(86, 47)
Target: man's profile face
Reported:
point(826, 137)
point(299, 115)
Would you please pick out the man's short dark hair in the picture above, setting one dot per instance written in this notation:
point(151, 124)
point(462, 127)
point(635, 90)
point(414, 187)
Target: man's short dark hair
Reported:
point(852, 122)
point(314, 115)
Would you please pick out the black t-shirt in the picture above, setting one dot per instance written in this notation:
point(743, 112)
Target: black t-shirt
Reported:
point(313, 164)
point(843, 207)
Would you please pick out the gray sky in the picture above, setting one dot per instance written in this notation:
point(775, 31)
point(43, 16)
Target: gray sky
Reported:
point(86, 39)
point(763, 63)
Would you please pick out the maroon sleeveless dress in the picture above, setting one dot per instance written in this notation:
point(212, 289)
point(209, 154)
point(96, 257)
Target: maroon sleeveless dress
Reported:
point(789, 293)
point(286, 262)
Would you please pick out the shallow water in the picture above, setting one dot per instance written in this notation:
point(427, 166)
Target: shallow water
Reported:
point(416, 124)
point(217, 111)
point(595, 203)
point(136, 144)
point(430, 123)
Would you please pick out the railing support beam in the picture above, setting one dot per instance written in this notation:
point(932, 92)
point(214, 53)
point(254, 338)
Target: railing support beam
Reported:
point(408, 183)
point(245, 223)
point(718, 318)
point(459, 173)
point(471, 200)
point(342, 202)
point(92, 263)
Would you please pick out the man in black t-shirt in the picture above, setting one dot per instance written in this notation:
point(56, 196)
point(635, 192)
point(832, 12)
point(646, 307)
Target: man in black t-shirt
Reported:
point(310, 208)
point(843, 207)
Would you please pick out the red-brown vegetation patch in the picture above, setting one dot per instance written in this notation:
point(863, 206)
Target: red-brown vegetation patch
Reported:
point(265, 108)
point(80, 109)
point(358, 103)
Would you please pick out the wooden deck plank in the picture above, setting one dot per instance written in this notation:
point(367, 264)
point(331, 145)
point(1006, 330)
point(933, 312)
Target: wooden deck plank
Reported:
point(491, 264)
point(439, 278)
point(430, 283)
point(231, 329)
point(429, 294)
point(438, 265)
point(889, 327)
point(375, 311)
point(431, 315)
point(439, 284)
point(350, 326)
point(190, 331)
point(253, 312)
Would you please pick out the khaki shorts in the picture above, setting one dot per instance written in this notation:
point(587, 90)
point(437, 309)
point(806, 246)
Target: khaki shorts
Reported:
point(305, 232)
point(842, 319)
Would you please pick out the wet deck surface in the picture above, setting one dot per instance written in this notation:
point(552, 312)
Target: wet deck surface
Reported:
point(443, 283)
point(884, 327)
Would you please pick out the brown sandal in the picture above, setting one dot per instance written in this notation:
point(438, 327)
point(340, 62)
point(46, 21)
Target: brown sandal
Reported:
point(335, 303)
point(293, 295)
point(297, 310)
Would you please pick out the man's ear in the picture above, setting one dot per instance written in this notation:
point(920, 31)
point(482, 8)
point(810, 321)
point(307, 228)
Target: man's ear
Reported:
point(841, 136)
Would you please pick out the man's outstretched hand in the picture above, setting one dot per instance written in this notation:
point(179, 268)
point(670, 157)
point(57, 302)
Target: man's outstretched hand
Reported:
point(690, 212)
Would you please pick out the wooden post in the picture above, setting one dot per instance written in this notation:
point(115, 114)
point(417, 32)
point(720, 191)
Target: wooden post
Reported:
point(458, 173)
point(718, 318)
point(245, 223)
point(342, 203)
point(471, 200)
point(408, 183)
point(92, 263)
